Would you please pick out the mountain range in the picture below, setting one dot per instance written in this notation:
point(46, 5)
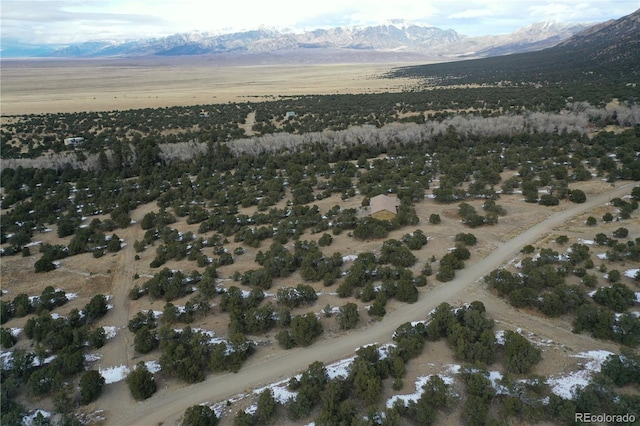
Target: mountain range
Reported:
point(604, 54)
point(395, 38)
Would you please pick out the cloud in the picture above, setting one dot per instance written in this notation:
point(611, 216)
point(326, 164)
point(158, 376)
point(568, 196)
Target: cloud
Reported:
point(471, 13)
point(64, 21)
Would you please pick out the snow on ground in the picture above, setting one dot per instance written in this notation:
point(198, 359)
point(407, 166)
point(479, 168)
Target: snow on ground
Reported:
point(156, 314)
point(451, 370)
point(280, 391)
point(349, 258)
point(114, 374)
point(495, 377)
point(500, 337)
point(602, 256)
point(340, 368)
point(37, 361)
point(631, 273)
point(333, 310)
point(56, 315)
point(5, 360)
point(31, 418)
point(212, 335)
point(586, 242)
point(566, 385)
point(385, 349)
point(109, 331)
point(15, 332)
point(420, 382)
point(153, 366)
point(251, 410)
point(92, 357)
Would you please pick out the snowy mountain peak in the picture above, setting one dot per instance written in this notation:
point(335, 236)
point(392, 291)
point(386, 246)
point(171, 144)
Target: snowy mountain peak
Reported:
point(391, 35)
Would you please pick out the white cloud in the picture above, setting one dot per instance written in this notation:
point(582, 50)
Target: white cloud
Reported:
point(63, 21)
point(471, 13)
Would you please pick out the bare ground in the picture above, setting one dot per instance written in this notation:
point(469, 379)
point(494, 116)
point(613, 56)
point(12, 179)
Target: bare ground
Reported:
point(55, 86)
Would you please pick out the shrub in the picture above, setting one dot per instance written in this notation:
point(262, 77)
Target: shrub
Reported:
point(348, 316)
point(141, 382)
point(621, 233)
point(91, 384)
point(577, 196)
point(466, 238)
point(44, 264)
point(199, 415)
point(519, 354)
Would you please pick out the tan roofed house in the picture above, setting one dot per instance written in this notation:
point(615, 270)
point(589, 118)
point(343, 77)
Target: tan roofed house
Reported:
point(384, 207)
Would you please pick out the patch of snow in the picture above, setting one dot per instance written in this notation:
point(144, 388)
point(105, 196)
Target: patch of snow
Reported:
point(420, 382)
point(110, 331)
point(153, 366)
point(15, 332)
point(280, 391)
point(251, 410)
point(349, 258)
point(602, 256)
point(340, 368)
point(71, 296)
point(6, 359)
point(631, 273)
point(30, 418)
point(56, 315)
point(114, 374)
point(37, 361)
point(92, 357)
point(500, 337)
point(384, 350)
point(565, 386)
point(496, 376)
point(586, 242)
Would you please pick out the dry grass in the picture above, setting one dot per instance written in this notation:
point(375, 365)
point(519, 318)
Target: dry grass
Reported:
point(53, 86)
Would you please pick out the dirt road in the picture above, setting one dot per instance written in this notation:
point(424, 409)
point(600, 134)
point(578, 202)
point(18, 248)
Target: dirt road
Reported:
point(167, 406)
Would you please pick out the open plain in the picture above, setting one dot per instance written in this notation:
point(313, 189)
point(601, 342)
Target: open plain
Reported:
point(55, 86)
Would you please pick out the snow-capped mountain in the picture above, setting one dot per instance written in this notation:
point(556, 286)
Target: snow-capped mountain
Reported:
point(392, 36)
point(526, 39)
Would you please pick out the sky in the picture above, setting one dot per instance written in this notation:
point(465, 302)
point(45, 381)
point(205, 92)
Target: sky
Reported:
point(71, 21)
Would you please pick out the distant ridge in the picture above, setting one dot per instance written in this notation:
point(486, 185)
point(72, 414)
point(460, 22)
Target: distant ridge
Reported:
point(607, 52)
point(392, 37)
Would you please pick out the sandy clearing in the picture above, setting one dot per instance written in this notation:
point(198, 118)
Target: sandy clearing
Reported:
point(168, 406)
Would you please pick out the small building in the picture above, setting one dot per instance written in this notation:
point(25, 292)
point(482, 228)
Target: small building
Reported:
point(290, 114)
point(73, 141)
point(384, 207)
